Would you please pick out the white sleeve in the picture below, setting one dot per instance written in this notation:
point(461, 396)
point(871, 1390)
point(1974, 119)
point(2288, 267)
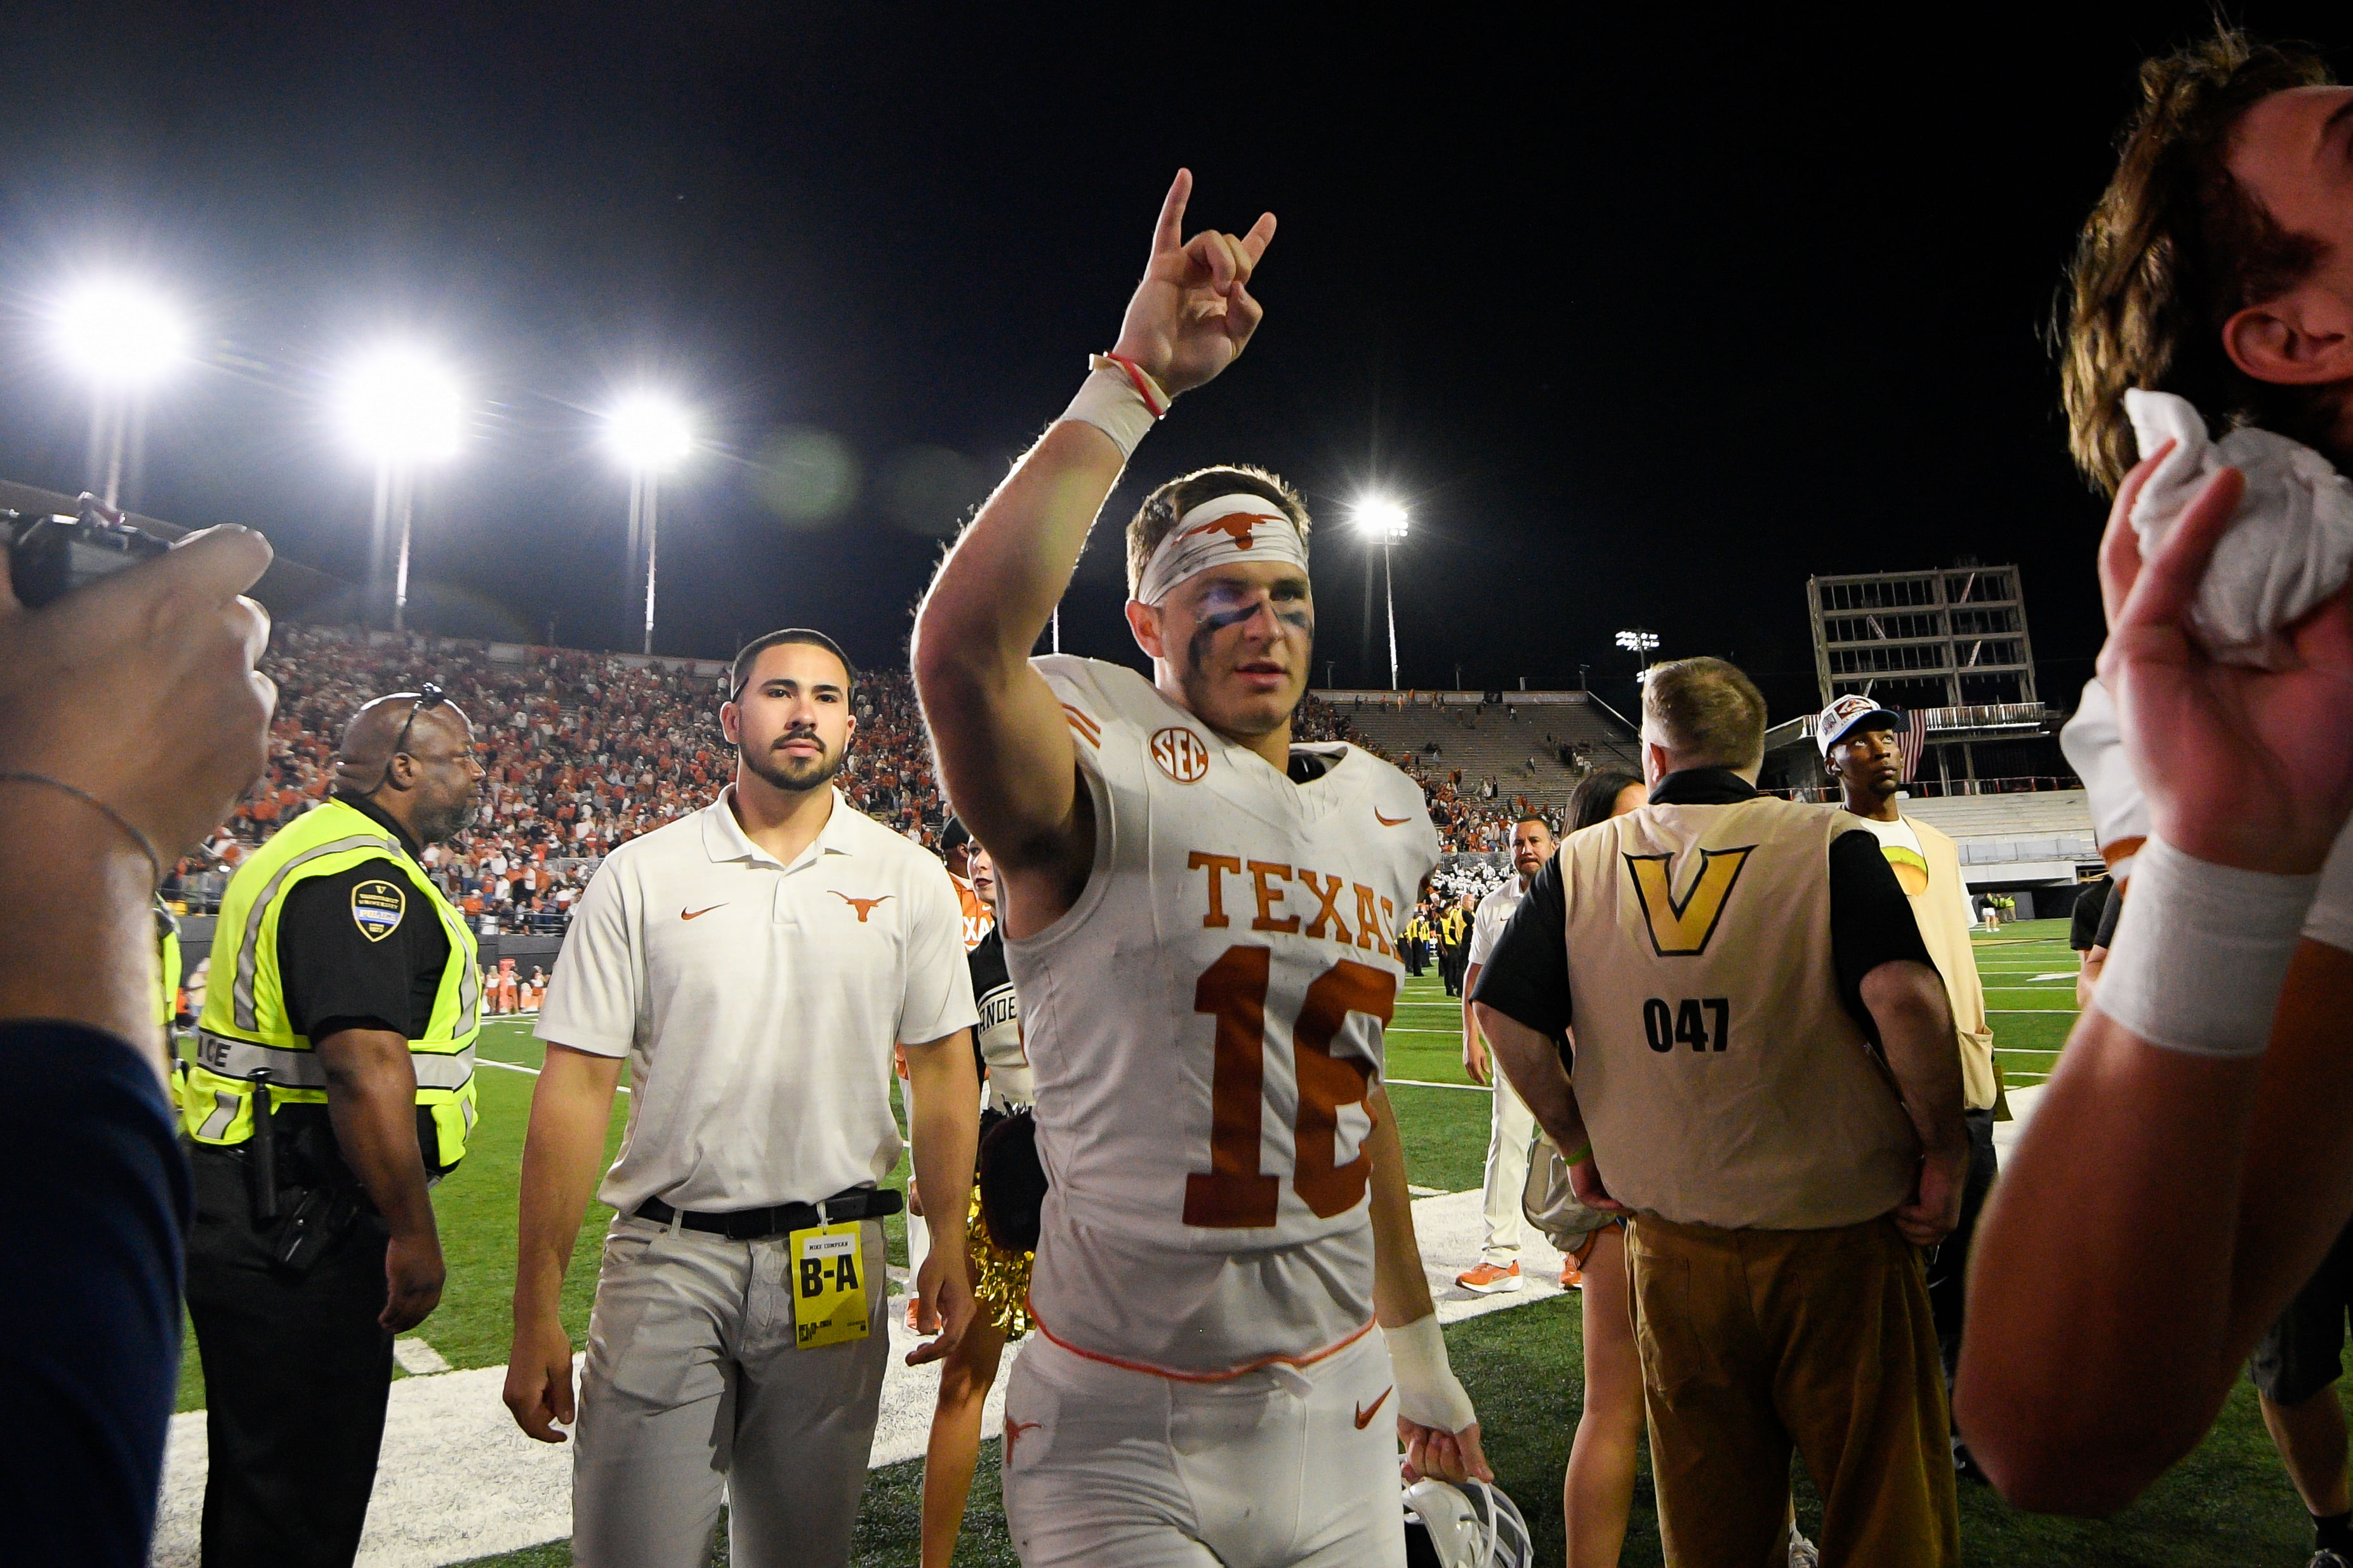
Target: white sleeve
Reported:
point(938, 998)
point(2330, 920)
point(592, 998)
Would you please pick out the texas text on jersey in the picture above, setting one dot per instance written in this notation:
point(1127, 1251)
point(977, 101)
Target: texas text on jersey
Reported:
point(1205, 1024)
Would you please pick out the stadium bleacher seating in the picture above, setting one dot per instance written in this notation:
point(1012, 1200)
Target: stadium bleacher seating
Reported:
point(2041, 827)
point(1518, 745)
point(585, 751)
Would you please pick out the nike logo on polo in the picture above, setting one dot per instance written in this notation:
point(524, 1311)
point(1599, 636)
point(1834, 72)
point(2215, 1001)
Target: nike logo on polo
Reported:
point(1365, 1413)
point(863, 906)
point(691, 914)
point(1389, 821)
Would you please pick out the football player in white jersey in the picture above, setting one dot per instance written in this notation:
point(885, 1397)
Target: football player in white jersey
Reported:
point(1199, 918)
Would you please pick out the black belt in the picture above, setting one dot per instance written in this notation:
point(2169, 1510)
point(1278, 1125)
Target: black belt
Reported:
point(753, 1225)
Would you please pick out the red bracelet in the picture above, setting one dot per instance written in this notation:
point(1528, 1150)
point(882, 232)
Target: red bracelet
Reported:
point(1143, 387)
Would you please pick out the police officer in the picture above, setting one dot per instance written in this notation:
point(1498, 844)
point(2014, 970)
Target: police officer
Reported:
point(334, 1082)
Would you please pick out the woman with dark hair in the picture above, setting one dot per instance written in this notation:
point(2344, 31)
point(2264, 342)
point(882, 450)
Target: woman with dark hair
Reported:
point(1598, 1491)
point(1602, 795)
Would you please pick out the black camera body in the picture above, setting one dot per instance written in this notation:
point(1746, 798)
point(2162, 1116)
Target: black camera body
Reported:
point(51, 555)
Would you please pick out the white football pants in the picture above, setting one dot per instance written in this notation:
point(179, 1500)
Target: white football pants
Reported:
point(1283, 1468)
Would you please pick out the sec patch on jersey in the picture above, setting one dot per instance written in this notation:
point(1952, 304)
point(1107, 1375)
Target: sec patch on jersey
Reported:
point(377, 909)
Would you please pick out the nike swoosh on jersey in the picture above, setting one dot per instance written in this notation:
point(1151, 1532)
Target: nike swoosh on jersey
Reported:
point(689, 914)
point(1365, 1414)
point(1389, 821)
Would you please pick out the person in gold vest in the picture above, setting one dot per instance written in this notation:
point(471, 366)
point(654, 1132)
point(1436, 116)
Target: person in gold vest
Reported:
point(333, 1082)
point(1767, 1079)
point(1857, 737)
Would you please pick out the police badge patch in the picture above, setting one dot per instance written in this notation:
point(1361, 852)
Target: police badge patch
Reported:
point(376, 908)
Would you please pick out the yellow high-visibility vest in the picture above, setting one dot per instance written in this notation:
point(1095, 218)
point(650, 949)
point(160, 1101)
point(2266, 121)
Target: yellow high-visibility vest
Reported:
point(244, 1026)
point(167, 966)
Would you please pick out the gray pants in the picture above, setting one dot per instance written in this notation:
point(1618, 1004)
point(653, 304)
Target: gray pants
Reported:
point(693, 1391)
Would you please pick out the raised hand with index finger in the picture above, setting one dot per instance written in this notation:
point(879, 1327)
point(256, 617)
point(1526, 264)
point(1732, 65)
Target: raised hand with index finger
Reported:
point(1193, 313)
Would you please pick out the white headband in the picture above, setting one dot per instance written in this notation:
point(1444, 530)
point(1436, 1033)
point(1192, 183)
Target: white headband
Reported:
point(1230, 528)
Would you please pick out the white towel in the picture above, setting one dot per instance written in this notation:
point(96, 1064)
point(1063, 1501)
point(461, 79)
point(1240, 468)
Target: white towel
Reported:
point(2288, 548)
point(2095, 743)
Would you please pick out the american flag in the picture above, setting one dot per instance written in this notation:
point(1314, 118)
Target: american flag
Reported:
point(1910, 742)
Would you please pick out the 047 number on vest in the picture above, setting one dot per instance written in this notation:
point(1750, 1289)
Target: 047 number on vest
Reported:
point(1703, 1023)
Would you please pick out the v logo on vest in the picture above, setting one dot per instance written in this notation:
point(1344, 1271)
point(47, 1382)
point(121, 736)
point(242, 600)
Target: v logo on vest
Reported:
point(1681, 928)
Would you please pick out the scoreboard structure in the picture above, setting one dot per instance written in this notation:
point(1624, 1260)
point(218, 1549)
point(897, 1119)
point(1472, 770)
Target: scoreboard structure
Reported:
point(1955, 638)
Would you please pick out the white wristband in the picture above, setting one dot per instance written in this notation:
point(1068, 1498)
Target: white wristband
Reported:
point(1429, 1393)
point(2200, 952)
point(1119, 399)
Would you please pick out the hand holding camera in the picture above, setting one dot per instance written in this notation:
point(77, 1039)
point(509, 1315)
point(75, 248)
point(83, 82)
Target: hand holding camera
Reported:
point(138, 688)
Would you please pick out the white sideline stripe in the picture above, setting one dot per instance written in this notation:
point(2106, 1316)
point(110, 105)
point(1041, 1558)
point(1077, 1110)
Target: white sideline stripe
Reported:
point(1425, 1083)
point(457, 1481)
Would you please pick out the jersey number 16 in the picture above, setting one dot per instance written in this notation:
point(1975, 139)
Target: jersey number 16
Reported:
point(1233, 1193)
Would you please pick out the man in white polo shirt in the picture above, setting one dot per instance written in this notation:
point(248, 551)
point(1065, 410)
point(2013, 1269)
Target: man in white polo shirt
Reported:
point(1511, 1129)
point(755, 963)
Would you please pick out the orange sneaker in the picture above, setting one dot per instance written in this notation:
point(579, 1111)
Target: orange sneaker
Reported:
point(1571, 1277)
point(1486, 1279)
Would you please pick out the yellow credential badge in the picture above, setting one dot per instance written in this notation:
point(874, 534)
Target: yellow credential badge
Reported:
point(828, 1287)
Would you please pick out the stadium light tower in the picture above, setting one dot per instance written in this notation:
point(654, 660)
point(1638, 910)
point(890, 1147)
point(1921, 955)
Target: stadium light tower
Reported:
point(1641, 643)
point(402, 408)
point(122, 337)
point(1386, 521)
point(649, 433)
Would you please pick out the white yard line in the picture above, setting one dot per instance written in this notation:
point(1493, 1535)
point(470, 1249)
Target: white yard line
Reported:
point(416, 1358)
point(481, 1061)
point(1425, 1083)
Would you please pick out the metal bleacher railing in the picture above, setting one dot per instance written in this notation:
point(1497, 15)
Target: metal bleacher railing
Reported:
point(1931, 789)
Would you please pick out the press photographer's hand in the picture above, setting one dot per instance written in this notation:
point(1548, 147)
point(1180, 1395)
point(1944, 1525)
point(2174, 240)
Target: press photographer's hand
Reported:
point(140, 688)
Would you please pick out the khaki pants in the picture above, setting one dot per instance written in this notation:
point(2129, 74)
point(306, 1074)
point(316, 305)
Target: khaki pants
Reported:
point(693, 1391)
point(1511, 1129)
point(1757, 1342)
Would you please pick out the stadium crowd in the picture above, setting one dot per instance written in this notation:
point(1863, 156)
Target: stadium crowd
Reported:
point(584, 752)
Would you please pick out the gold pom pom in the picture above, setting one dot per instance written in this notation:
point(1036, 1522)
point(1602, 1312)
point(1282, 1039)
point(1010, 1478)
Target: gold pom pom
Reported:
point(1000, 1279)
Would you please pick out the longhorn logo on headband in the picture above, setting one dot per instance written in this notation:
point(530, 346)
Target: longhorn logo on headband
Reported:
point(1234, 525)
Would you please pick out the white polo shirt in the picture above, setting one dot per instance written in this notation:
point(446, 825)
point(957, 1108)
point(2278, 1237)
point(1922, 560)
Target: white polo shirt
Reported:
point(757, 1004)
point(1494, 914)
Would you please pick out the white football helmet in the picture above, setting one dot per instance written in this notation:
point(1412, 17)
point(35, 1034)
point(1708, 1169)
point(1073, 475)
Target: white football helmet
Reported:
point(1473, 1525)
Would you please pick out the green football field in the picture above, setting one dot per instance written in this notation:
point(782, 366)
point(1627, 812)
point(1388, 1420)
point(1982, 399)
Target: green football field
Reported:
point(2228, 1504)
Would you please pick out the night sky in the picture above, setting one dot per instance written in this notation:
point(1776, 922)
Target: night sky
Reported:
point(1645, 321)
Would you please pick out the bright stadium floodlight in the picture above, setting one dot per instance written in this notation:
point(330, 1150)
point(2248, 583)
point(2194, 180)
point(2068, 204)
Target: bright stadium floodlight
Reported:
point(122, 337)
point(1641, 643)
point(120, 333)
point(1377, 517)
point(402, 408)
point(1382, 519)
point(648, 432)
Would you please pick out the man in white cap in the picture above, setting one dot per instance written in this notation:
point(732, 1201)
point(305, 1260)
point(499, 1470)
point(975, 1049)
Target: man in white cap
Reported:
point(1860, 755)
